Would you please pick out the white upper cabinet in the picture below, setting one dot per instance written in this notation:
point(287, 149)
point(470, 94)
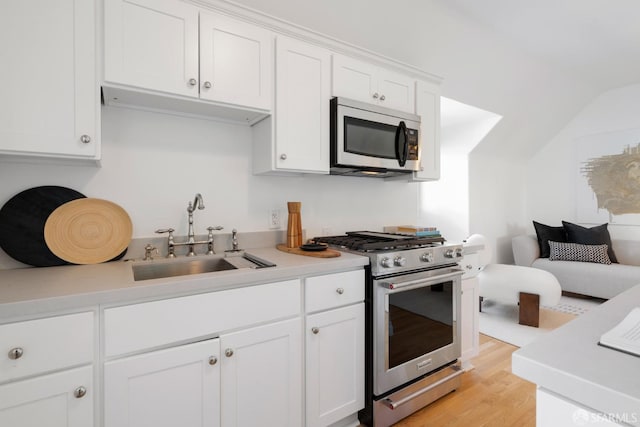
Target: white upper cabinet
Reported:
point(172, 47)
point(235, 62)
point(300, 140)
point(428, 108)
point(50, 97)
point(369, 83)
point(152, 44)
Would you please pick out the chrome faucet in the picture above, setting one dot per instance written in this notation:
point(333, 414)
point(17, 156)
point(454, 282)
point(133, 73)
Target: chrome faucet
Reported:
point(191, 235)
point(191, 238)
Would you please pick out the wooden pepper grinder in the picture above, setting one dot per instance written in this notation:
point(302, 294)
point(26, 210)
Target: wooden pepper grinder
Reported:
point(294, 226)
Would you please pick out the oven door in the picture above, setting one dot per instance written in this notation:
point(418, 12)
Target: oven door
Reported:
point(416, 325)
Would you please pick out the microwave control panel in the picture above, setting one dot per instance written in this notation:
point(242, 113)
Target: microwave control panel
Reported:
point(412, 144)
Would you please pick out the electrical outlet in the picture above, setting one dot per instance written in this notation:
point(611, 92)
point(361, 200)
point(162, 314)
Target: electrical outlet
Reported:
point(274, 218)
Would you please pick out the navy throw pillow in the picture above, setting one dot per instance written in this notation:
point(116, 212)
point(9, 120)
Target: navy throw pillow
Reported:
point(598, 235)
point(546, 233)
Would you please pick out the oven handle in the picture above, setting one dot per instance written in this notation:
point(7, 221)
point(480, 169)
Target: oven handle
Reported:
point(395, 405)
point(435, 279)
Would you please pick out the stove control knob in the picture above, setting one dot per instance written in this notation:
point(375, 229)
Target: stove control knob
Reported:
point(459, 252)
point(449, 253)
point(386, 263)
point(399, 261)
point(427, 257)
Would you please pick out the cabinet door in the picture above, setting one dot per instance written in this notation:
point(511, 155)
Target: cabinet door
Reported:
point(354, 79)
point(428, 108)
point(49, 93)
point(397, 91)
point(236, 62)
point(302, 107)
point(64, 399)
point(175, 387)
point(152, 44)
point(469, 321)
point(335, 364)
point(262, 376)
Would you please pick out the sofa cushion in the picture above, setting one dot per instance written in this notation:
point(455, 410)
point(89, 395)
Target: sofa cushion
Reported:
point(561, 251)
point(586, 278)
point(546, 233)
point(598, 235)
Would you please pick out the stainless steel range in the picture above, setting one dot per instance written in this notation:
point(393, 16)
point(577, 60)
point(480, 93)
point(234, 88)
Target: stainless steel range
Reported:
point(412, 321)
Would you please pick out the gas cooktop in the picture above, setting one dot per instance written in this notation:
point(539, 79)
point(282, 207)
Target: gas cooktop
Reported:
point(371, 241)
point(392, 253)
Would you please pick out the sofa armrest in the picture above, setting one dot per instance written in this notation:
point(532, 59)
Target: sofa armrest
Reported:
point(525, 250)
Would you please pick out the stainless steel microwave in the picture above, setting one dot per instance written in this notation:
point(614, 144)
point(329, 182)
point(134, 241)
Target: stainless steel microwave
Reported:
point(367, 140)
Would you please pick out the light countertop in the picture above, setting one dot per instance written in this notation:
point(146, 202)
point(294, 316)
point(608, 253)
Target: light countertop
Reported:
point(569, 362)
point(31, 291)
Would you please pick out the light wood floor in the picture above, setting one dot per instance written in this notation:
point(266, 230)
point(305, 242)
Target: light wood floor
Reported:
point(490, 395)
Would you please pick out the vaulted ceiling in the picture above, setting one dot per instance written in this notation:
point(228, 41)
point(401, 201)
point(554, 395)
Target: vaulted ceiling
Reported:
point(596, 39)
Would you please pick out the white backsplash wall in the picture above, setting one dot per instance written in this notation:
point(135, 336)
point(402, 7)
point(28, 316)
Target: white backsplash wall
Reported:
point(153, 164)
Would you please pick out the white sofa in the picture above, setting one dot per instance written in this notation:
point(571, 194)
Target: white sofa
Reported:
point(586, 278)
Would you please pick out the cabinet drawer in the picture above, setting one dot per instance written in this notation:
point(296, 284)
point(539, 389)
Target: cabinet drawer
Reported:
point(334, 290)
point(42, 345)
point(142, 326)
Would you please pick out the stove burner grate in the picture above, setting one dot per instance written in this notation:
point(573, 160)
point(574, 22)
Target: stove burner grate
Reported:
point(366, 241)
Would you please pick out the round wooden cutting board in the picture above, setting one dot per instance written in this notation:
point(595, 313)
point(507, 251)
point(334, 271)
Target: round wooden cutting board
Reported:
point(88, 231)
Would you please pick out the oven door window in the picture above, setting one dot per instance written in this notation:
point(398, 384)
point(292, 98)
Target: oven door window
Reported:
point(419, 322)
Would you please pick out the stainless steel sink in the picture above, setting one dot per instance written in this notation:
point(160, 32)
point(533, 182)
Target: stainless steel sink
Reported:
point(148, 270)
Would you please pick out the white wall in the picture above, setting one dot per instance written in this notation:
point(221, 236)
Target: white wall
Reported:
point(153, 164)
point(550, 179)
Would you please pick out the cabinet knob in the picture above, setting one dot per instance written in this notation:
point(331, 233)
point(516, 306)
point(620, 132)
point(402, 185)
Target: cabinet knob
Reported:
point(315, 330)
point(213, 360)
point(283, 156)
point(80, 392)
point(228, 352)
point(16, 353)
point(382, 97)
point(340, 291)
point(375, 95)
point(207, 85)
point(193, 82)
point(85, 139)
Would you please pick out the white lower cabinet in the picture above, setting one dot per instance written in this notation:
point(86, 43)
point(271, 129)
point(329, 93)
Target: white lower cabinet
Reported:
point(262, 376)
point(334, 364)
point(63, 399)
point(179, 386)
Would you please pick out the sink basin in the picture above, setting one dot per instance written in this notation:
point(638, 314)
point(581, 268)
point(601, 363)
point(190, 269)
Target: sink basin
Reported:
point(148, 270)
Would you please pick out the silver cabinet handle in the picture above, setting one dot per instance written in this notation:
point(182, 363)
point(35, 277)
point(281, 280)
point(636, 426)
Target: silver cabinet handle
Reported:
point(213, 360)
point(382, 97)
point(193, 82)
point(315, 330)
point(283, 156)
point(228, 352)
point(16, 353)
point(207, 85)
point(80, 392)
point(340, 291)
point(375, 95)
point(85, 139)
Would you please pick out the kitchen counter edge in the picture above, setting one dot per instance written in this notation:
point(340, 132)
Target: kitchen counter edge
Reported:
point(27, 293)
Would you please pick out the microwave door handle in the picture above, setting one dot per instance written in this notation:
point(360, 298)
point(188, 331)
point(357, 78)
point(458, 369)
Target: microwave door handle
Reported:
point(401, 131)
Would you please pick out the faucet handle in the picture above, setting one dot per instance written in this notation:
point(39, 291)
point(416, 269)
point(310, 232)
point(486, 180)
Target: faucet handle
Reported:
point(217, 228)
point(165, 230)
